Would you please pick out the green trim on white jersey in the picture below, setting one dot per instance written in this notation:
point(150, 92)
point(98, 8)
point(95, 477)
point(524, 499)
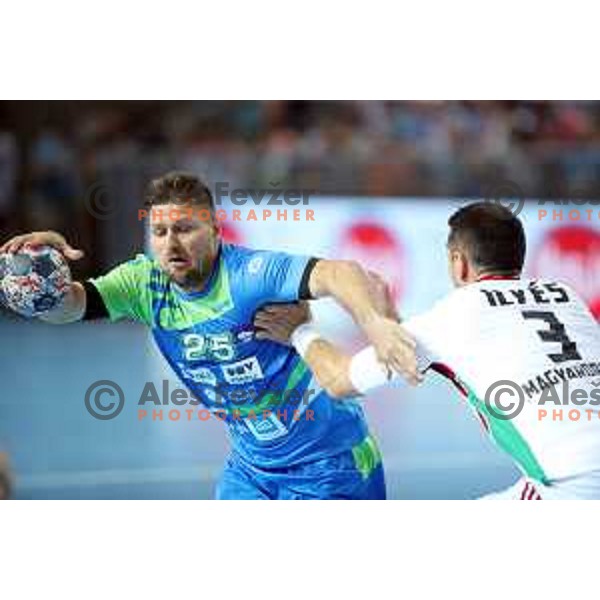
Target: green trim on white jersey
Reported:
point(507, 437)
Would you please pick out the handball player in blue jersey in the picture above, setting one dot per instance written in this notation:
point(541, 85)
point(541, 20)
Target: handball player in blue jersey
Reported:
point(199, 296)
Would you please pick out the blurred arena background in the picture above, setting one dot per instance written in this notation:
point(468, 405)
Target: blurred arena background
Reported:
point(385, 175)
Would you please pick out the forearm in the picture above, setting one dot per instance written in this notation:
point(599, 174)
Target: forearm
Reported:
point(71, 309)
point(338, 373)
point(342, 375)
point(331, 368)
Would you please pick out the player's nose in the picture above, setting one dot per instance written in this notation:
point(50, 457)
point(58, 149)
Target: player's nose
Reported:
point(172, 240)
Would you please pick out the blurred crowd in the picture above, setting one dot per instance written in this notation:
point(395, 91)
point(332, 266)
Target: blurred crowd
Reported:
point(51, 153)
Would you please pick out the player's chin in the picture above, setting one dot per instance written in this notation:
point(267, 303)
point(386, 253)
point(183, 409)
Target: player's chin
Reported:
point(178, 273)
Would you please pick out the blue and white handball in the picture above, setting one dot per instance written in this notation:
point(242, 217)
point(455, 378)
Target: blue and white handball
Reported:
point(33, 280)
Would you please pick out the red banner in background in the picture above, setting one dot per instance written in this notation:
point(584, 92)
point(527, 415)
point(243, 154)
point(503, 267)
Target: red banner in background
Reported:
point(571, 253)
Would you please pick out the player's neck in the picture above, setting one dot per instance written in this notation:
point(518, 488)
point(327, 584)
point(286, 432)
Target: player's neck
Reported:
point(497, 275)
point(194, 282)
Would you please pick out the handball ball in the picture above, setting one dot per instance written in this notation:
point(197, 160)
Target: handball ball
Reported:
point(34, 280)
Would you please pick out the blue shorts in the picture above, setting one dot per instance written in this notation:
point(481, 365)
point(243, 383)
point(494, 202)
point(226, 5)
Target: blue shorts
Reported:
point(353, 475)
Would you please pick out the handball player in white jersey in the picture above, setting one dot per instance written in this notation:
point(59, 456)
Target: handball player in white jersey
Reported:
point(524, 353)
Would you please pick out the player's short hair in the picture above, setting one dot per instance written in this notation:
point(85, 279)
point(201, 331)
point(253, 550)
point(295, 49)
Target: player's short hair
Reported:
point(492, 237)
point(178, 187)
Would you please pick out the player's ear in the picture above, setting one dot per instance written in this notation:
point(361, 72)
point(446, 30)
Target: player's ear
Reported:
point(460, 267)
point(465, 269)
point(469, 272)
point(455, 265)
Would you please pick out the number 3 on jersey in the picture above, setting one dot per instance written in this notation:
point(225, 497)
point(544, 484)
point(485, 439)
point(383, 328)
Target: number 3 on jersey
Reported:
point(556, 333)
point(216, 346)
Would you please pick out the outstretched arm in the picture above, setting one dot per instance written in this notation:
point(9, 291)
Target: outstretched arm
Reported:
point(338, 373)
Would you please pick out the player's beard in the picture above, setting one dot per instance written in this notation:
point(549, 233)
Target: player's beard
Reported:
point(196, 278)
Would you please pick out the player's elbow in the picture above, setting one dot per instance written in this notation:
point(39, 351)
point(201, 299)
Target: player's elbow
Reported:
point(347, 268)
point(339, 392)
point(329, 275)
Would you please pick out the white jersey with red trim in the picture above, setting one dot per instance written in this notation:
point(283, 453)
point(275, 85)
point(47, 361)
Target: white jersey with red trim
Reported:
point(584, 487)
point(528, 356)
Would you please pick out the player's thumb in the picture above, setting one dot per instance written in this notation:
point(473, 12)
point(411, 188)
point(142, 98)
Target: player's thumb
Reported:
point(70, 252)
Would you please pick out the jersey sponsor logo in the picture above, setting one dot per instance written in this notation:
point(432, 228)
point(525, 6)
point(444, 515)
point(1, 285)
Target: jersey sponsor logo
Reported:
point(200, 375)
point(266, 429)
point(255, 265)
point(245, 336)
point(558, 375)
point(243, 371)
point(572, 253)
point(243, 333)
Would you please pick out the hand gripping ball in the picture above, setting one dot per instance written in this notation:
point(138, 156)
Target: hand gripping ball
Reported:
point(34, 280)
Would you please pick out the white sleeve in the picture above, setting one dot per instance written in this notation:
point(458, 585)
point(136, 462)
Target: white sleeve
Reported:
point(445, 329)
point(439, 333)
point(366, 372)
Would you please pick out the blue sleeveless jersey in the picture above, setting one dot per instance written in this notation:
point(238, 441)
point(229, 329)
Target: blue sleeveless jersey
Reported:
point(275, 412)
